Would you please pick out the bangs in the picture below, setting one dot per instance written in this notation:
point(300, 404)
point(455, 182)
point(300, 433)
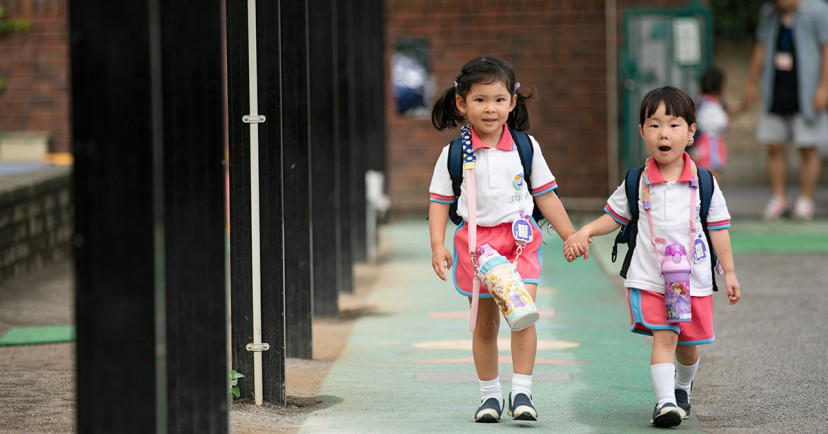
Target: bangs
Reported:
point(676, 103)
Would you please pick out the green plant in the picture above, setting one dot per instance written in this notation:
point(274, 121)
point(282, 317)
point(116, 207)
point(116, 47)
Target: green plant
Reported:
point(735, 18)
point(234, 382)
point(8, 27)
point(12, 25)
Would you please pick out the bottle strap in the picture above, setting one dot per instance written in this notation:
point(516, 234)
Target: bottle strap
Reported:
point(471, 200)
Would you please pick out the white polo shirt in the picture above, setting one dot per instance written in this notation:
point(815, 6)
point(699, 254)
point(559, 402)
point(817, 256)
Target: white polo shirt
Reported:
point(502, 193)
point(670, 212)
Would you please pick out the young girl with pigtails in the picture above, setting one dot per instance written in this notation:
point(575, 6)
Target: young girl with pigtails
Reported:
point(494, 198)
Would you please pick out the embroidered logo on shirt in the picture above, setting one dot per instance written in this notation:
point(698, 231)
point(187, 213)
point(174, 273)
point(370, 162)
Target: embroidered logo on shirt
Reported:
point(518, 182)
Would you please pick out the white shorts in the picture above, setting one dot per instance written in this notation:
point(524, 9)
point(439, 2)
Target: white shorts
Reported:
point(775, 129)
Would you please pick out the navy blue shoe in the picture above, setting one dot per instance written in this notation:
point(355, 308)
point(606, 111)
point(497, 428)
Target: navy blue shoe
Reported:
point(667, 415)
point(683, 401)
point(521, 408)
point(489, 411)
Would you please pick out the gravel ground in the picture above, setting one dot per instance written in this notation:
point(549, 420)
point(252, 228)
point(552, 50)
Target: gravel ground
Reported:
point(767, 370)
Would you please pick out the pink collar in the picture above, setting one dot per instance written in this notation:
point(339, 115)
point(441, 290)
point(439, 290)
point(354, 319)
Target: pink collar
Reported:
point(705, 97)
point(505, 143)
point(654, 176)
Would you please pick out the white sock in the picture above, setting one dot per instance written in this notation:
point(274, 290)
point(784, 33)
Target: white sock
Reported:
point(664, 381)
point(684, 376)
point(491, 389)
point(521, 384)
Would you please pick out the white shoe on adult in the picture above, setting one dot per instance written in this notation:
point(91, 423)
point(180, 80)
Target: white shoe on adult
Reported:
point(803, 208)
point(775, 208)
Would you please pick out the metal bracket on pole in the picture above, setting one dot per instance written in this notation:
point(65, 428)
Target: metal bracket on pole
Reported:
point(253, 119)
point(257, 347)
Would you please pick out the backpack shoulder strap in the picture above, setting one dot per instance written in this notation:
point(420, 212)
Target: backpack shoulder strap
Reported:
point(526, 152)
point(632, 183)
point(627, 234)
point(706, 187)
point(455, 165)
point(455, 168)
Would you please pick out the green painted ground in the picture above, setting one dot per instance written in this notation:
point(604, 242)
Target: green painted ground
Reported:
point(779, 237)
point(38, 335)
point(384, 382)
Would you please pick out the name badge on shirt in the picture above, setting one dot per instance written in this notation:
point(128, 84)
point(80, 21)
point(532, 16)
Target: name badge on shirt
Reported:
point(522, 230)
point(784, 61)
point(699, 249)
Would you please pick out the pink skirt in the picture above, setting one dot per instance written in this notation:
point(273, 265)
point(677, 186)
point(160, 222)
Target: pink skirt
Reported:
point(647, 313)
point(500, 237)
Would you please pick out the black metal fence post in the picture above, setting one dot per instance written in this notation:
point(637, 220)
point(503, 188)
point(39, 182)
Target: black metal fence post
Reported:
point(194, 218)
point(345, 110)
point(270, 204)
point(325, 208)
point(149, 228)
point(296, 189)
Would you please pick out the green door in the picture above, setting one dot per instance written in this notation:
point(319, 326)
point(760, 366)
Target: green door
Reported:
point(662, 46)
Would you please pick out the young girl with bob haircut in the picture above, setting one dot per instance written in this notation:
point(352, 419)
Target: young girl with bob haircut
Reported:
point(667, 202)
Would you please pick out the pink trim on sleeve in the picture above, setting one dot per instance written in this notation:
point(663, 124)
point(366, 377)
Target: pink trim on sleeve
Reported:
point(544, 188)
point(441, 199)
point(615, 216)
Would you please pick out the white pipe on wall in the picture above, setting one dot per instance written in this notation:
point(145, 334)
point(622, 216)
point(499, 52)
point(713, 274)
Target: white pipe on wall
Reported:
point(254, 202)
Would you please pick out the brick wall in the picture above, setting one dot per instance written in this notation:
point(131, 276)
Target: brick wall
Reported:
point(35, 65)
point(35, 220)
point(558, 49)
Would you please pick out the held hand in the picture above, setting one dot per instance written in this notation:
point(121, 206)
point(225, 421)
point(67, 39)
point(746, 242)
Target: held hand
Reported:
point(441, 261)
point(572, 251)
point(577, 245)
point(734, 292)
point(748, 99)
point(821, 99)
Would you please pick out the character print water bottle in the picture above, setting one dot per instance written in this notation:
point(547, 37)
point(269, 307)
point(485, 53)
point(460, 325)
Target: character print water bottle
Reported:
point(676, 271)
point(506, 287)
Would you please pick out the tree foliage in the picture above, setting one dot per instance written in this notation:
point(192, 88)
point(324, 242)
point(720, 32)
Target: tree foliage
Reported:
point(735, 18)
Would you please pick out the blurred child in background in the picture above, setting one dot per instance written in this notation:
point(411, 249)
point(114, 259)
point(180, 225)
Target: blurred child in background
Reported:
point(710, 149)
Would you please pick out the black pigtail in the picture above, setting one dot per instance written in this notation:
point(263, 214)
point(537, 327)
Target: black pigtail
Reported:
point(519, 117)
point(445, 114)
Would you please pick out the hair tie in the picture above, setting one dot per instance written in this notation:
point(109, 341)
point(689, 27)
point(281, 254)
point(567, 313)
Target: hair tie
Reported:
point(455, 84)
point(517, 85)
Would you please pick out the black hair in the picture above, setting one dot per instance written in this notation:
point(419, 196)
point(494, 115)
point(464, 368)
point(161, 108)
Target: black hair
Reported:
point(711, 82)
point(484, 69)
point(676, 103)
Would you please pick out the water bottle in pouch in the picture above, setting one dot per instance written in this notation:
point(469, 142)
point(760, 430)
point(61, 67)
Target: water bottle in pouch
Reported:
point(676, 271)
point(507, 289)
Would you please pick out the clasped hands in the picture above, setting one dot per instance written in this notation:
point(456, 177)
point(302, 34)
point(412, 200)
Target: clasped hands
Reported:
point(577, 245)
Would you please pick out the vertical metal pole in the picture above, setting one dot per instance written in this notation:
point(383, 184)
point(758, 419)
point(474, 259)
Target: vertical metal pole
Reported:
point(156, 102)
point(254, 202)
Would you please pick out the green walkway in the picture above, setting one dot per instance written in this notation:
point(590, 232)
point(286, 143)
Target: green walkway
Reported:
point(408, 367)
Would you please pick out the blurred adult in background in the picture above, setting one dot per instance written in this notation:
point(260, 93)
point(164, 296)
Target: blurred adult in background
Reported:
point(791, 56)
